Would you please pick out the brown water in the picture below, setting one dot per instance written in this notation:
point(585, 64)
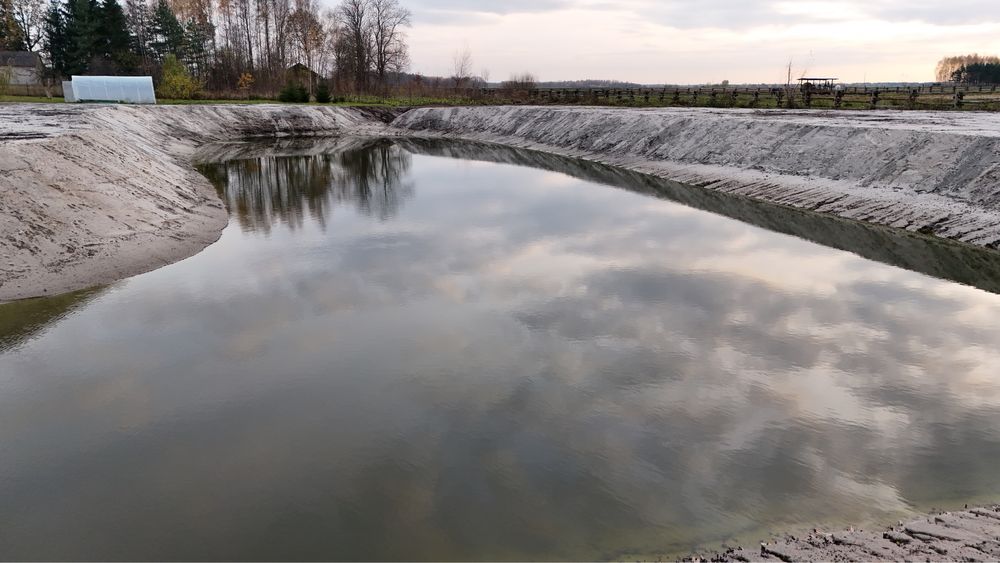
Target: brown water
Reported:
point(392, 354)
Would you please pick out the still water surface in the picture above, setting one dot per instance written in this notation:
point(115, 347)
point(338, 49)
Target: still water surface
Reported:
point(393, 353)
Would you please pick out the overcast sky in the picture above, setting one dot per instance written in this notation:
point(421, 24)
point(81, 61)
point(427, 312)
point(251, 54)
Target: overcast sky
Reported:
point(698, 41)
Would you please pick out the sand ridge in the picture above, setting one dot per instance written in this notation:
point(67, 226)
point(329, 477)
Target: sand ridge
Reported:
point(90, 194)
point(932, 172)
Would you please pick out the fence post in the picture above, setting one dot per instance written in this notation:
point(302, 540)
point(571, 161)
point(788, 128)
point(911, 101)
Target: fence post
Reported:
point(913, 98)
point(874, 99)
point(959, 98)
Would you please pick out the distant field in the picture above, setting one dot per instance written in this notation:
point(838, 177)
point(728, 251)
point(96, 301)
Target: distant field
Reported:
point(30, 99)
point(854, 98)
point(339, 101)
point(985, 97)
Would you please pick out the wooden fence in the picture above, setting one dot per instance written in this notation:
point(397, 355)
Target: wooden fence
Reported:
point(34, 90)
point(985, 96)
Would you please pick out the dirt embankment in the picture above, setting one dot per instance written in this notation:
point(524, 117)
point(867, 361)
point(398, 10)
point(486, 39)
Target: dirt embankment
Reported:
point(93, 194)
point(972, 534)
point(923, 171)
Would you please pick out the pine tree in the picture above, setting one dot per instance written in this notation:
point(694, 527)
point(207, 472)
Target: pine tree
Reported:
point(82, 19)
point(198, 43)
point(10, 36)
point(167, 32)
point(54, 39)
point(323, 93)
point(113, 41)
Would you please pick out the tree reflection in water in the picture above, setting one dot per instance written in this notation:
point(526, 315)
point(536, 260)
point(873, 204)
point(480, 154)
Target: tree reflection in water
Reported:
point(268, 190)
point(21, 321)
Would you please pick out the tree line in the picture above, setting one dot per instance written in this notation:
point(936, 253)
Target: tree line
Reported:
point(978, 73)
point(968, 68)
point(225, 46)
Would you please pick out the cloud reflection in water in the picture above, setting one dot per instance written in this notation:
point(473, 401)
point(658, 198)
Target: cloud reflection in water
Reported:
point(487, 362)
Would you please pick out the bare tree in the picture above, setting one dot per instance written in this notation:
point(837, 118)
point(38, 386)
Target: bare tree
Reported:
point(247, 23)
point(28, 17)
point(326, 61)
point(947, 66)
point(276, 15)
point(520, 82)
point(390, 51)
point(461, 67)
point(248, 45)
point(356, 18)
point(790, 89)
point(6, 72)
point(307, 32)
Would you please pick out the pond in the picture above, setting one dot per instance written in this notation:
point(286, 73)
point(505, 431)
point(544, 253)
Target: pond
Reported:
point(405, 349)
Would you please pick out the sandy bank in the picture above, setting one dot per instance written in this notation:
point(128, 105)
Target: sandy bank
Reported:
point(93, 194)
point(933, 172)
point(972, 534)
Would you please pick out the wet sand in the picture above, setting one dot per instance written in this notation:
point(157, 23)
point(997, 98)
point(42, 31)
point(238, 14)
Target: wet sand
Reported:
point(972, 534)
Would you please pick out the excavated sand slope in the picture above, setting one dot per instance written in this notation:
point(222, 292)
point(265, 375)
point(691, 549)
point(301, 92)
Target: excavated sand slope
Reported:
point(972, 534)
point(935, 172)
point(93, 194)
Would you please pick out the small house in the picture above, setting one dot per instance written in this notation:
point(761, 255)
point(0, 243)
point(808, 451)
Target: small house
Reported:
point(301, 74)
point(25, 67)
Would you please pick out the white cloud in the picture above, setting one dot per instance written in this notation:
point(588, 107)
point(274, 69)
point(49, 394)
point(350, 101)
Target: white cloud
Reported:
point(688, 41)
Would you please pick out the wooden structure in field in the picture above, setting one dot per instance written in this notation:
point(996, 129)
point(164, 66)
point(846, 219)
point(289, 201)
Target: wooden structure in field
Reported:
point(817, 84)
point(839, 96)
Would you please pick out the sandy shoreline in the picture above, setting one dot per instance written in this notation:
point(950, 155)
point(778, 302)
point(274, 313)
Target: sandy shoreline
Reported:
point(971, 534)
point(932, 172)
point(93, 194)
point(68, 223)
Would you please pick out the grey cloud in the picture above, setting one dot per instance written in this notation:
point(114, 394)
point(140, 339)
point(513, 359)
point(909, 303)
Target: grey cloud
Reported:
point(463, 12)
point(726, 14)
point(955, 12)
point(490, 6)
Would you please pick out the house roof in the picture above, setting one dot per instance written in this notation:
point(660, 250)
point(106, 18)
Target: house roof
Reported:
point(299, 67)
point(19, 58)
